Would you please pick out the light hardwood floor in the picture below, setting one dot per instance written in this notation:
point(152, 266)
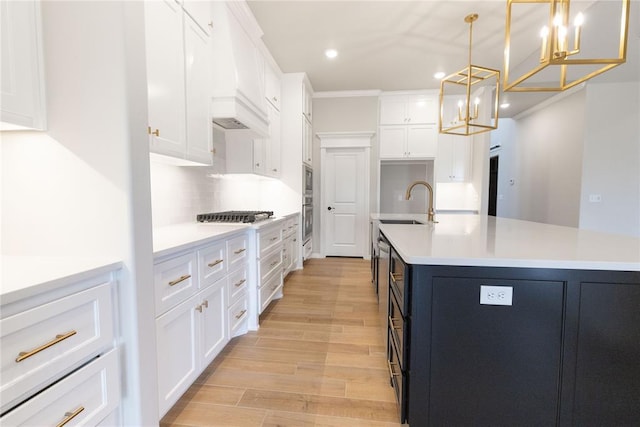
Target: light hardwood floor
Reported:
point(317, 360)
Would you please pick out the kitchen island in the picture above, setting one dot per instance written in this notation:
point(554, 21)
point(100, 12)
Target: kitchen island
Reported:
point(494, 321)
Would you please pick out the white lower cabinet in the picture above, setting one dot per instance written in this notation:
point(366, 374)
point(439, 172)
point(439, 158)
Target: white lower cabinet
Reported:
point(269, 275)
point(208, 307)
point(59, 360)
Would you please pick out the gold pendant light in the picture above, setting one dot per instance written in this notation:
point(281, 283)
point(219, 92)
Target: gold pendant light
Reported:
point(469, 97)
point(563, 60)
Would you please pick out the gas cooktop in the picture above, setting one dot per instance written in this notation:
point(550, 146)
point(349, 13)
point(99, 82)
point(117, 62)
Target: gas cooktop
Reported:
point(235, 216)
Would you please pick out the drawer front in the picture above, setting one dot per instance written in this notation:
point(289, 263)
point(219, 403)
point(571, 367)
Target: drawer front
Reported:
point(238, 315)
point(85, 397)
point(213, 263)
point(269, 290)
point(237, 285)
point(175, 280)
point(237, 250)
point(269, 238)
point(269, 264)
point(398, 379)
point(41, 344)
point(290, 227)
point(397, 328)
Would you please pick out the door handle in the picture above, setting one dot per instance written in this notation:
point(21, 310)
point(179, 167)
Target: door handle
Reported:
point(329, 208)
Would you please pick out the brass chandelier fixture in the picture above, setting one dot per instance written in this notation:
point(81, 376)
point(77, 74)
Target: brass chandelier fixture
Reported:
point(562, 63)
point(469, 97)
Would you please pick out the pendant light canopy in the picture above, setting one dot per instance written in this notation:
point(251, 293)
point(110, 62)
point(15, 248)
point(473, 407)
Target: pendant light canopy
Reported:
point(574, 45)
point(469, 97)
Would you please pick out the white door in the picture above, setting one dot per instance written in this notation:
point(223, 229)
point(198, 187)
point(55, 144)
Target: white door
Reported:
point(345, 215)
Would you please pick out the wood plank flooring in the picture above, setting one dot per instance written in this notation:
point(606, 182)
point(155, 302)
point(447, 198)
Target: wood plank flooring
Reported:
point(317, 360)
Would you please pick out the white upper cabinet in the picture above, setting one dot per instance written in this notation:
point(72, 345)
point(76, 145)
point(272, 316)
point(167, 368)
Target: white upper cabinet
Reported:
point(22, 97)
point(411, 141)
point(178, 79)
point(307, 102)
point(272, 87)
point(453, 161)
point(200, 12)
point(408, 109)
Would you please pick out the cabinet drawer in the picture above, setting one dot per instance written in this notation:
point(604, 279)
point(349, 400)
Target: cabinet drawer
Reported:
point(269, 289)
point(42, 344)
point(175, 280)
point(237, 285)
point(237, 249)
point(267, 239)
point(269, 264)
point(237, 316)
point(85, 397)
point(213, 263)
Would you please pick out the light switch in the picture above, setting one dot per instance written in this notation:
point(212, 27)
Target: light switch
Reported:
point(496, 295)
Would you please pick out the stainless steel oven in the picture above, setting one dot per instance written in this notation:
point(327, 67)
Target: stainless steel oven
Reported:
point(308, 180)
point(307, 219)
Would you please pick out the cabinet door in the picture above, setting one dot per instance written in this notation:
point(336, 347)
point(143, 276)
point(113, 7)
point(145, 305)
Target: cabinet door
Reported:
point(212, 313)
point(22, 96)
point(307, 141)
point(453, 160)
point(273, 143)
point(272, 87)
point(393, 110)
point(176, 341)
point(200, 12)
point(495, 365)
point(198, 93)
point(307, 102)
point(392, 142)
point(422, 109)
point(165, 77)
point(422, 141)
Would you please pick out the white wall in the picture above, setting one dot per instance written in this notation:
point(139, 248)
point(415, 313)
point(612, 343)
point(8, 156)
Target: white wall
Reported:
point(548, 162)
point(611, 159)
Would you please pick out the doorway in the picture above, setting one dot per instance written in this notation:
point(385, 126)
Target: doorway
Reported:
point(493, 185)
point(344, 206)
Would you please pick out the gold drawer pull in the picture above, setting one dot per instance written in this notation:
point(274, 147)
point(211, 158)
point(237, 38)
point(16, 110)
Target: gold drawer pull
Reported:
point(237, 285)
point(199, 308)
point(205, 303)
point(273, 239)
point(239, 315)
point(273, 263)
point(239, 251)
point(396, 277)
point(61, 337)
point(181, 279)
point(393, 325)
point(68, 416)
point(214, 263)
point(393, 374)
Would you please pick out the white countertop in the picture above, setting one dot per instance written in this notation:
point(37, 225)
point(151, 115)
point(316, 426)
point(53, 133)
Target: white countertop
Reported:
point(25, 276)
point(475, 240)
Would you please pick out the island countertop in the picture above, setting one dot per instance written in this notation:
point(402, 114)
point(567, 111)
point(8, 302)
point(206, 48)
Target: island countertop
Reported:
point(487, 241)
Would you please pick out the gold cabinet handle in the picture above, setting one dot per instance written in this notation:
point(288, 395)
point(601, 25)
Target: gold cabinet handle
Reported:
point(273, 239)
point(199, 308)
point(68, 416)
point(214, 263)
point(26, 354)
point(239, 251)
point(205, 303)
point(237, 285)
point(393, 374)
point(396, 277)
point(155, 132)
point(239, 315)
point(273, 263)
point(393, 325)
point(180, 279)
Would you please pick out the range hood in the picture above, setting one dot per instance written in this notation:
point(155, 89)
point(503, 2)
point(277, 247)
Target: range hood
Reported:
point(238, 104)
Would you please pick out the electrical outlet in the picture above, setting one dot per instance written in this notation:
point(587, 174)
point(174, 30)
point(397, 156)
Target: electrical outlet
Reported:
point(595, 198)
point(496, 295)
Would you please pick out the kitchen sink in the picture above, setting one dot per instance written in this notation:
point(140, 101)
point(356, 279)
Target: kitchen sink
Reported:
point(400, 221)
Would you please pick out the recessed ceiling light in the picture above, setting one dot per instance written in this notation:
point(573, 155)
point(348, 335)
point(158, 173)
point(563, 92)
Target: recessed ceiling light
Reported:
point(504, 105)
point(330, 53)
point(438, 75)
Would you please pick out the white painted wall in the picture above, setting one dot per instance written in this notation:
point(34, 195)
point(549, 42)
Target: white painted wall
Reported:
point(548, 162)
point(82, 187)
point(611, 159)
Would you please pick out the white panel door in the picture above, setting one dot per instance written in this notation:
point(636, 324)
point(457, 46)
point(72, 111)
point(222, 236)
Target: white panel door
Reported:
point(344, 185)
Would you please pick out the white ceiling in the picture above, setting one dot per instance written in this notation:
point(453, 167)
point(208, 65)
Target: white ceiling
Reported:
point(399, 45)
